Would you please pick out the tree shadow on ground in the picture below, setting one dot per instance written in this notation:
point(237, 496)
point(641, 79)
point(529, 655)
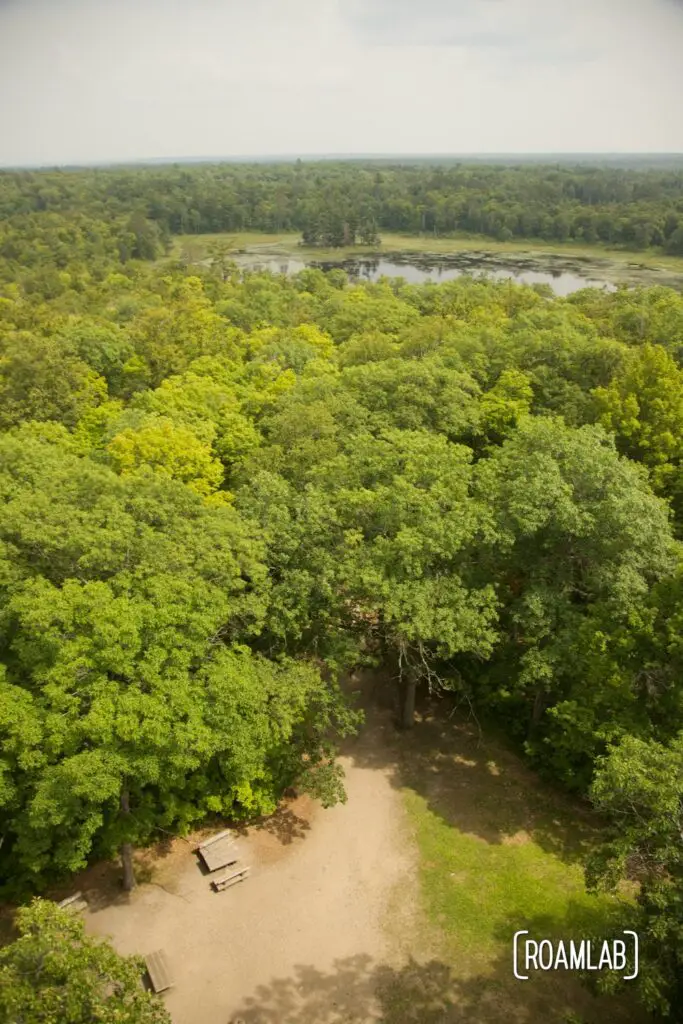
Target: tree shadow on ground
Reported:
point(467, 776)
point(580, 920)
point(285, 824)
point(102, 883)
point(358, 990)
point(101, 886)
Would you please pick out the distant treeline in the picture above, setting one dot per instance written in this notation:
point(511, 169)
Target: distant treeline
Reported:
point(135, 210)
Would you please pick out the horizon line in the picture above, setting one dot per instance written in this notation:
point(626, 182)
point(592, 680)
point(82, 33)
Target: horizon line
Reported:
point(314, 157)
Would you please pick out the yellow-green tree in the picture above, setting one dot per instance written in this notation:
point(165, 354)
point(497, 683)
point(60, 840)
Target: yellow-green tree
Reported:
point(169, 449)
point(643, 407)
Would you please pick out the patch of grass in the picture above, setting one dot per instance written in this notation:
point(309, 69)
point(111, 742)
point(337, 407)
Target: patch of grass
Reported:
point(495, 850)
point(238, 239)
point(255, 243)
point(650, 258)
point(499, 851)
point(479, 893)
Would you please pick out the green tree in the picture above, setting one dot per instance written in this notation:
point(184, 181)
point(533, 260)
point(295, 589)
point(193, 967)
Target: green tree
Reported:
point(643, 406)
point(129, 699)
point(207, 399)
point(171, 449)
point(221, 254)
point(184, 327)
point(105, 347)
point(135, 576)
point(41, 379)
point(146, 239)
point(371, 537)
point(54, 972)
point(414, 394)
point(639, 787)
point(574, 528)
point(562, 355)
point(504, 405)
point(410, 524)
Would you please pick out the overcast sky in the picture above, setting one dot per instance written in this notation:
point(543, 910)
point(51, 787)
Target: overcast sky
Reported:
point(98, 80)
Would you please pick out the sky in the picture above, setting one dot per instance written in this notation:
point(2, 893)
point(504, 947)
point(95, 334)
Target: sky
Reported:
point(86, 81)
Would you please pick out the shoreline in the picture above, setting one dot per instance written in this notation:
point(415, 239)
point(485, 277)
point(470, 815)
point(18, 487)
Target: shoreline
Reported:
point(594, 263)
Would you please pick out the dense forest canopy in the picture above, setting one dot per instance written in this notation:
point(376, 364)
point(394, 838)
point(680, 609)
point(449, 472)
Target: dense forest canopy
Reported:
point(132, 211)
point(221, 489)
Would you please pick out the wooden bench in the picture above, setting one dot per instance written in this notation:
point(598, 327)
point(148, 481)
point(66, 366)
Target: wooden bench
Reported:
point(226, 881)
point(158, 971)
point(75, 903)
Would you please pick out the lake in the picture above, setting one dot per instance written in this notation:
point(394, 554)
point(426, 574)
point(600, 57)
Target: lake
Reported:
point(417, 269)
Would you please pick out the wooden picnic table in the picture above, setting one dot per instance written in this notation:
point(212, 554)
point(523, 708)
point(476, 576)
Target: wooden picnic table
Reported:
point(219, 851)
point(159, 971)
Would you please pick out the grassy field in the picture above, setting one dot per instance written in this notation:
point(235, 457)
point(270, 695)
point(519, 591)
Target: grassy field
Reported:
point(498, 851)
point(469, 243)
point(477, 891)
point(196, 246)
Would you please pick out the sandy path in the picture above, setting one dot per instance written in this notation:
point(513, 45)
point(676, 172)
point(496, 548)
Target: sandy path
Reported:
point(322, 898)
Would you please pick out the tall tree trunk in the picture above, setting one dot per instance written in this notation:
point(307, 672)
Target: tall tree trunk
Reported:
point(536, 714)
point(408, 710)
point(126, 849)
point(128, 872)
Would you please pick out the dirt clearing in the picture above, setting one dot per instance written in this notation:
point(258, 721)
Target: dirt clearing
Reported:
point(320, 889)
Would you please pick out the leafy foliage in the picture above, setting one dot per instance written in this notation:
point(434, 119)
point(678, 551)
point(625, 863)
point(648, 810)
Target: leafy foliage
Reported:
point(221, 490)
point(640, 786)
point(54, 972)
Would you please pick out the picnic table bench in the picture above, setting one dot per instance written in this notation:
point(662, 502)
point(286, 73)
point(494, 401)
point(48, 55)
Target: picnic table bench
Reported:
point(158, 971)
point(76, 903)
point(226, 881)
point(219, 851)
